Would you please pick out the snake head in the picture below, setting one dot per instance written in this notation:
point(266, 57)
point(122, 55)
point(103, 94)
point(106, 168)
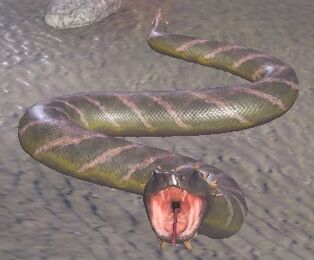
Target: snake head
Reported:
point(176, 204)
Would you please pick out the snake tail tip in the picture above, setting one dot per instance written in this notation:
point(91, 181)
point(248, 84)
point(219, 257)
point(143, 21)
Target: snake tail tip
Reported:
point(160, 16)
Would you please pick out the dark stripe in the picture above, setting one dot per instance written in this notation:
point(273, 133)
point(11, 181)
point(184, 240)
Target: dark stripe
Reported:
point(249, 57)
point(170, 110)
point(271, 99)
point(211, 98)
point(134, 108)
point(67, 140)
point(211, 54)
point(106, 156)
point(145, 163)
point(77, 110)
point(190, 44)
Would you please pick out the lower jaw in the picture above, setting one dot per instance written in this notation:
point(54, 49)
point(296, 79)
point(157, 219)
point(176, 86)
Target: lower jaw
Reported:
point(179, 239)
point(186, 242)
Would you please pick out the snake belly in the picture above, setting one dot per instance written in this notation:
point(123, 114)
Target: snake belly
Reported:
point(76, 134)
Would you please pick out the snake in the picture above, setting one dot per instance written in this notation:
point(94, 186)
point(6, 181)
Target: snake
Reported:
point(82, 135)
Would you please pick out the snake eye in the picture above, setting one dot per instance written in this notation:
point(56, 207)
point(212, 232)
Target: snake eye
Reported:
point(160, 176)
point(182, 177)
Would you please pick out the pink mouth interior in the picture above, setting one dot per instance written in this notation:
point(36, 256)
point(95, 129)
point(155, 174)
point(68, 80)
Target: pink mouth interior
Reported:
point(175, 213)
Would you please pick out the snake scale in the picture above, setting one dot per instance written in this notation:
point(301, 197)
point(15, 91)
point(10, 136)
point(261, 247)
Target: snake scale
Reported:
point(77, 135)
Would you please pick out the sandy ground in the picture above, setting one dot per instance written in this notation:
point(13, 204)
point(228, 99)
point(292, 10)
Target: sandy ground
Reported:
point(45, 215)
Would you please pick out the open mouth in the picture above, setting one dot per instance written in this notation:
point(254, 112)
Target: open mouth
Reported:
point(176, 214)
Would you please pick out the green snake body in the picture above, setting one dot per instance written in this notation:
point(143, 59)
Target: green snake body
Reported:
point(74, 134)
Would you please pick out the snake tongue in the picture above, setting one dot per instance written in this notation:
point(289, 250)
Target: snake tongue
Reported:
point(174, 226)
point(187, 243)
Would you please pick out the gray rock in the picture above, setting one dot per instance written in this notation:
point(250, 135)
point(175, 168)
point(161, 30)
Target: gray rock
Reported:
point(63, 14)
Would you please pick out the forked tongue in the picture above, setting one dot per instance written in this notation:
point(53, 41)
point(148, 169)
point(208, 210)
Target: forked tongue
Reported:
point(174, 226)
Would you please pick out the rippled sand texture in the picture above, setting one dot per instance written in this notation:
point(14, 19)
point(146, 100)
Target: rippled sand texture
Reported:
point(45, 215)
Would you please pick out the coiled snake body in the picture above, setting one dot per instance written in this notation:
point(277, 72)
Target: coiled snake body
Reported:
point(73, 134)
